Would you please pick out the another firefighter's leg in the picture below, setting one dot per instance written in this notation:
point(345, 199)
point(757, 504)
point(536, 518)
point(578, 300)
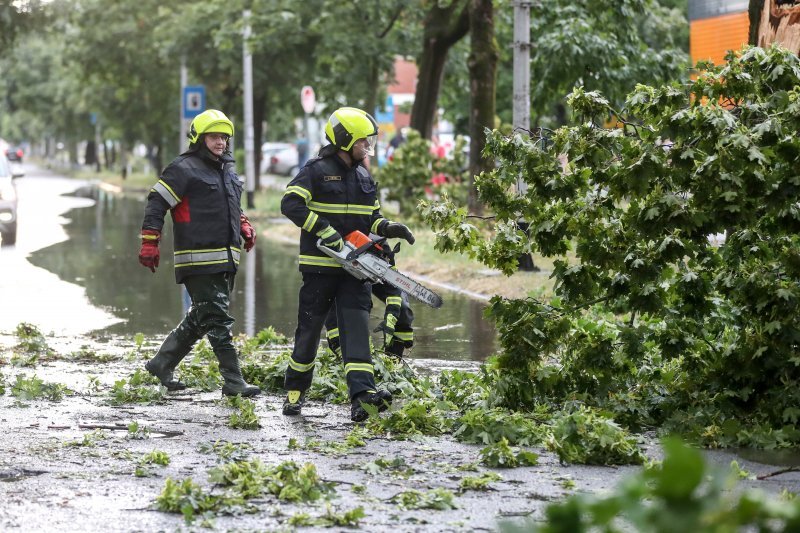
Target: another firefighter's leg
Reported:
point(175, 347)
point(316, 297)
point(211, 300)
point(353, 303)
point(403, 338)
point(332, 332)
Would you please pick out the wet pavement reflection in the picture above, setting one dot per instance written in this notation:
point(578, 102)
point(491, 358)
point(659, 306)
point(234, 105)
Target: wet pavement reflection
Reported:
point(101, 255)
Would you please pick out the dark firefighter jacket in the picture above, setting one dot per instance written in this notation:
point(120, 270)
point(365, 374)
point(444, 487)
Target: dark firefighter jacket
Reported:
point(327, 192)
point(204, 197)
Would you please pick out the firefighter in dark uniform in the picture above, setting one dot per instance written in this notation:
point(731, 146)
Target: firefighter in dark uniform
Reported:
point(398, 335)
point(201, 190)
point(331, 196)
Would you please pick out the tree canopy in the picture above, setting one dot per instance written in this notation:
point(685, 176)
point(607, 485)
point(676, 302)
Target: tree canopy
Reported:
point(652, 319)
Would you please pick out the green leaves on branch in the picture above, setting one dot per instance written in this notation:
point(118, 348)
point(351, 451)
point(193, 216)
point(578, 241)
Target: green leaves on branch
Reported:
point(652, 318)
point(681, 494)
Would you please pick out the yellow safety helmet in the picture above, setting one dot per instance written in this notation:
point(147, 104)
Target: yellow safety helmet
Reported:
point(210, 121)
point(346, 125)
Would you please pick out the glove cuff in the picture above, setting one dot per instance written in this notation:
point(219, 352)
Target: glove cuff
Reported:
point(150, 236)
point(326, 232)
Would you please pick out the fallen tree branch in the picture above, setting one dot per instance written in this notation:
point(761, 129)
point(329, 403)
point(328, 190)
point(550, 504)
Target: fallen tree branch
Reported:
point(124, 427)
point(778, 472)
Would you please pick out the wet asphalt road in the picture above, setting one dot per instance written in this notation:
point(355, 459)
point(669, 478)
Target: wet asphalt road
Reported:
point(32, 294)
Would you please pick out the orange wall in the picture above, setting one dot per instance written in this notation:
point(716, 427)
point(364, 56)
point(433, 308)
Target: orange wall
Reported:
point(711, 38)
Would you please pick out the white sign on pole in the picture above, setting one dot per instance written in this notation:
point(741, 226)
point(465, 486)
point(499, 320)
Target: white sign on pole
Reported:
point(307, 99)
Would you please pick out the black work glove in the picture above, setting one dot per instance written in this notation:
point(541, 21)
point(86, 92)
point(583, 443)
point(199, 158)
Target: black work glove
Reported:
point(331, 238)
point(395, 230)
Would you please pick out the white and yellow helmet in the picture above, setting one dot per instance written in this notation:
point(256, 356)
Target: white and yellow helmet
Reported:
point(346, 125)
point(210, 121)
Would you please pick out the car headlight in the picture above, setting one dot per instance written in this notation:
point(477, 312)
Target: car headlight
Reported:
point(8, 193)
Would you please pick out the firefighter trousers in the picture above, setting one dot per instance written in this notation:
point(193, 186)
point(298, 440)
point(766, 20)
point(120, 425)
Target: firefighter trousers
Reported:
point(353, 300)
point(403, 331)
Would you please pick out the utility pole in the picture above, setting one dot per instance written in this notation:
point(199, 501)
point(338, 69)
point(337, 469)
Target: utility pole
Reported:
point(184, 83)
point(249, 152)
point(522, 70)
point(521, 107)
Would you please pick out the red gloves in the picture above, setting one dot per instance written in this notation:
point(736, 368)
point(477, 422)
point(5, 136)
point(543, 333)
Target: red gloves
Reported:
point(148, 255)
point(248, 233)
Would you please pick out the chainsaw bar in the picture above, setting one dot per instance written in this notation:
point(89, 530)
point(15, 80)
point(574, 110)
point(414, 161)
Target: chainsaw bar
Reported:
point(370, 267)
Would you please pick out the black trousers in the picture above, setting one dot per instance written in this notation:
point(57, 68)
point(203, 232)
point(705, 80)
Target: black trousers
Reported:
point(353, 300)
point(403, 332)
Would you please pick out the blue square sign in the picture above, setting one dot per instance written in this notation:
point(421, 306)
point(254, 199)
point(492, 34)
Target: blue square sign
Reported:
point(194, 100)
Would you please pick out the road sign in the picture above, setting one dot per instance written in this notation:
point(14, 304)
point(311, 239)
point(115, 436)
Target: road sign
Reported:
point(307, 99)
point(385, 115)
point(194, 100)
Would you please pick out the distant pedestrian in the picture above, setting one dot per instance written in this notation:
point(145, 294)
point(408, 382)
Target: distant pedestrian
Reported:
point(203, 193)
point(397, 141)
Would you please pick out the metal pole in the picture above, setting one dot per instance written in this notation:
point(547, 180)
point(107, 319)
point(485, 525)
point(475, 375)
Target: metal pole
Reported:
point(521, 108)
point(249, 152)
point(98, 167)
point(250, 292)
point(184, 128)
point(522, 71)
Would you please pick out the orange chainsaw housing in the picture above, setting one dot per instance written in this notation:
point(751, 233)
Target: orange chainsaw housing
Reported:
point(358, 239)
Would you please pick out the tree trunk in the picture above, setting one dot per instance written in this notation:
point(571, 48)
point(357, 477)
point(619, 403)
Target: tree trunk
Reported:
point(482, 76)
point(371, 101)
point(775, 23)
point(444, 26)
point(90, 155)
point(754, 12)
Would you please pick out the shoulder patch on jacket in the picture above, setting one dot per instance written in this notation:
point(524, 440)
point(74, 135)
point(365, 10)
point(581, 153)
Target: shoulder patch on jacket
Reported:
point(332, 178)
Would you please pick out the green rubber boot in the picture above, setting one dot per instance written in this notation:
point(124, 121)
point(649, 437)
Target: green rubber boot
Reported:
point(232, 374)
point(174, 348)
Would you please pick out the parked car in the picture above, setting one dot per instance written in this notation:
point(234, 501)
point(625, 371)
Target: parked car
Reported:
point(8, 201)
point(15, 153)
point(283, 159)
point(268, 150)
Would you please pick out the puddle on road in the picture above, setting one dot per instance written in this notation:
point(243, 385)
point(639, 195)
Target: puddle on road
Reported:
point(12, 475)
point(785, 457)
point(101, 255)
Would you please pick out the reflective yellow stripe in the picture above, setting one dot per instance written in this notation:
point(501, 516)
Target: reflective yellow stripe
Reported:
point(213, 256)
point(300, 367)
point(404, 335)
point(377, 205)
point(341, 209)
point(149, 237)
point(316, 260)
point(333, 333)
point(305, 194)
point(326, 232)
point(358, 367)
point(311, 219)
point(166, 193)
point(394, 300)
point(374, 228)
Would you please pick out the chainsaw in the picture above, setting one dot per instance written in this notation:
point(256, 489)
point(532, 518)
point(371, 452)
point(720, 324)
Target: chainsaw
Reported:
point(367, 259)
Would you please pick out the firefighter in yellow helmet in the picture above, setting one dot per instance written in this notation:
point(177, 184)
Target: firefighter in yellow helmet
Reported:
point(201, 190)
point(333, 195)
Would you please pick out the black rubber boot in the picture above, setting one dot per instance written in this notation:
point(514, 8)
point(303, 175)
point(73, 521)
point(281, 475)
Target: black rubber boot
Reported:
point(174, 348)
point(293, 403)
point(381, 399)
point(232, 374)
point(394, 348)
